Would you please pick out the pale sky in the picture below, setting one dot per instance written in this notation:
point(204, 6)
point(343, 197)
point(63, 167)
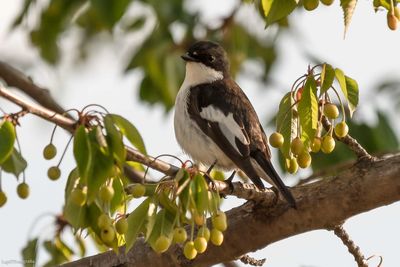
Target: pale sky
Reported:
point(369, 54)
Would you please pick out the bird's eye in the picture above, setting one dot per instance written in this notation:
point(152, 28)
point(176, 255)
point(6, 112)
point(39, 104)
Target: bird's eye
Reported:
point(211, 58)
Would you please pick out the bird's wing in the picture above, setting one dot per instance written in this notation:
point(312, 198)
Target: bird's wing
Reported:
point(229, 119)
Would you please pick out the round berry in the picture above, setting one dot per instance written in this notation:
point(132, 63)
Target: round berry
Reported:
point(204, 232)
point(327, 2)
point(3, 198)
point(291, 165)
point(328, 144)
point(49, 151)
point(276, 140)
point(391, 20)
point(162, 244)
point(297, 146)
point(331, 111)
point(106, 193)
point(316, 144)
point(304, 160)
point(310, 4)
point(54, 173)
point(189, 251)
point(180, 235)
point(219, 221)
point(200, 244)
point(341, 129)
point(199, 219)
point(138, 190)
point(23, 190)
point(107, 234)
point(217, 237)
point(78, 196)
point(104, 221)
point(121, 226)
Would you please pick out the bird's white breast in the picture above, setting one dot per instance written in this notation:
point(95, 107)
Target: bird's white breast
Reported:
point(188, 134)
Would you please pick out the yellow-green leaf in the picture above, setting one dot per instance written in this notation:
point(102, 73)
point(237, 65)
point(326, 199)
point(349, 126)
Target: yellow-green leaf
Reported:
point(308, 111)
point(129, 131)
point(136, 220)
point(83, 153)
point(15, 163)
point(352, 94)
point(7, 139)
point(286, 123)
point(275, 10)
point(327, 77)
point(114, 140)
point(29, 253)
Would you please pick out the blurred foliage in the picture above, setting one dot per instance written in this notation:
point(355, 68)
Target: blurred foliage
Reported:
point(159, 55)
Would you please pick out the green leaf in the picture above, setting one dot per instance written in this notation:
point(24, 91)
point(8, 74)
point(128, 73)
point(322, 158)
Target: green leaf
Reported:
point(7, 140)
point(130, 131)
point(29, 253)
point(110, 11)
point(352, 94)
point(117, 201)
point(75, 215)
point(151, 218)
point(327, 77)
point(71, 181)
point(114, 140)
point(136, 220)
point(81, 245)
point(308, 111)
point(102, 169)
point(14, 164)
point(349, 88)
point(275, 10)
point(286, 123)
point(83, 153)
point(201, 193)
point(348, 7)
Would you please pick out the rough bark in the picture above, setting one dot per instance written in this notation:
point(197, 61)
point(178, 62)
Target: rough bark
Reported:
point(321, 205)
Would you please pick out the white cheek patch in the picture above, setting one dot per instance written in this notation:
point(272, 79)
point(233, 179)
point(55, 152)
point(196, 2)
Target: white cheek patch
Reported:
point(229, 127)
point(198, 73)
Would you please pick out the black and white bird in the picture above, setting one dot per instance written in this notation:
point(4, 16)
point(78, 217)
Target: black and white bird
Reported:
point(216, 124)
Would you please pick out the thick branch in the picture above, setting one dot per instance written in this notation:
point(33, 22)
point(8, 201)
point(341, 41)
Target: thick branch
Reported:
point(321, 205)
point(15, 78)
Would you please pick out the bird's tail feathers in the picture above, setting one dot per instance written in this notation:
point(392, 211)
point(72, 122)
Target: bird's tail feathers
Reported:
point(273, 176)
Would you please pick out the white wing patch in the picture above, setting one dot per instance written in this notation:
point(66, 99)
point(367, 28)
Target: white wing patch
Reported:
point(229, 127)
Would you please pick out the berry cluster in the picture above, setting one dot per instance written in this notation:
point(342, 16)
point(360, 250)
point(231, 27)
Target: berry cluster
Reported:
point(303, 111)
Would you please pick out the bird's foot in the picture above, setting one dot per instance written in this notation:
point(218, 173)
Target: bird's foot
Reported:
point(211, 167)
point(276, 197)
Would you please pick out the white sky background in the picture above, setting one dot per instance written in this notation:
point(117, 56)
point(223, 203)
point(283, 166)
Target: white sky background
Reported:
point(369, 54)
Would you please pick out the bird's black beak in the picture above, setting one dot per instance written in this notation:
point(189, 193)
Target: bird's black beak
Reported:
point(189, 58)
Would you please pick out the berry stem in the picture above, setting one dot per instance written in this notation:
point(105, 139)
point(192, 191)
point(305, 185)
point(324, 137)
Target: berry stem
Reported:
point(341, 104)
point(65, 150)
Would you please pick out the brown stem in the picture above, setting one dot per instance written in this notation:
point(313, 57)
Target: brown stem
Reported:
point(351, 246)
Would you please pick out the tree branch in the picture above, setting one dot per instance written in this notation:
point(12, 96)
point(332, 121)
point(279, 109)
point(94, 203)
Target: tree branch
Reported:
point(321, 205)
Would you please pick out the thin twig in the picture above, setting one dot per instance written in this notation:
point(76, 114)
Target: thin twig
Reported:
point(246, 259)
point(352, 143)
point(351, 246)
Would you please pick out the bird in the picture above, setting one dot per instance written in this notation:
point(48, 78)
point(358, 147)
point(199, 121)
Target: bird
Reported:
point(215, 122)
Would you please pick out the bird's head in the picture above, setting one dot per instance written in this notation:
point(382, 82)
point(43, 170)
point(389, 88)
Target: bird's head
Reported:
point(209, 54)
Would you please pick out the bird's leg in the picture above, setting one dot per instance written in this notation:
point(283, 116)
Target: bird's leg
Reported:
point(276, 198)
point(211, 167)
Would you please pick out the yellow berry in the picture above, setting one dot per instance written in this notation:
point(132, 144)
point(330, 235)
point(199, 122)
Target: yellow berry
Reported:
point(138, 190)
point(162, 244)
point(78, 196)
point(204, 232)
point(180, 235)
point(106, 193)
point(328, 144)
point(107, 234)
point(219, 221)
point(327, 2)
point(189, 251)
point(316, 144)
point(341, 129)
point(310, 4)
point(121, 226)
point(297, 146)
point(23, 190)
point(199, 219)
point(276, 140)
point(103, 221)
point(3, 198)
point(291, 165)
point(49, 151)
point(391, 20)
point(200, 244)
point(54, 173)
point(331, 111)
point(216, 237)
point(304, 159)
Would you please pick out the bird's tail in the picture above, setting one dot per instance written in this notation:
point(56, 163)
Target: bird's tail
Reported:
point(273, 176)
